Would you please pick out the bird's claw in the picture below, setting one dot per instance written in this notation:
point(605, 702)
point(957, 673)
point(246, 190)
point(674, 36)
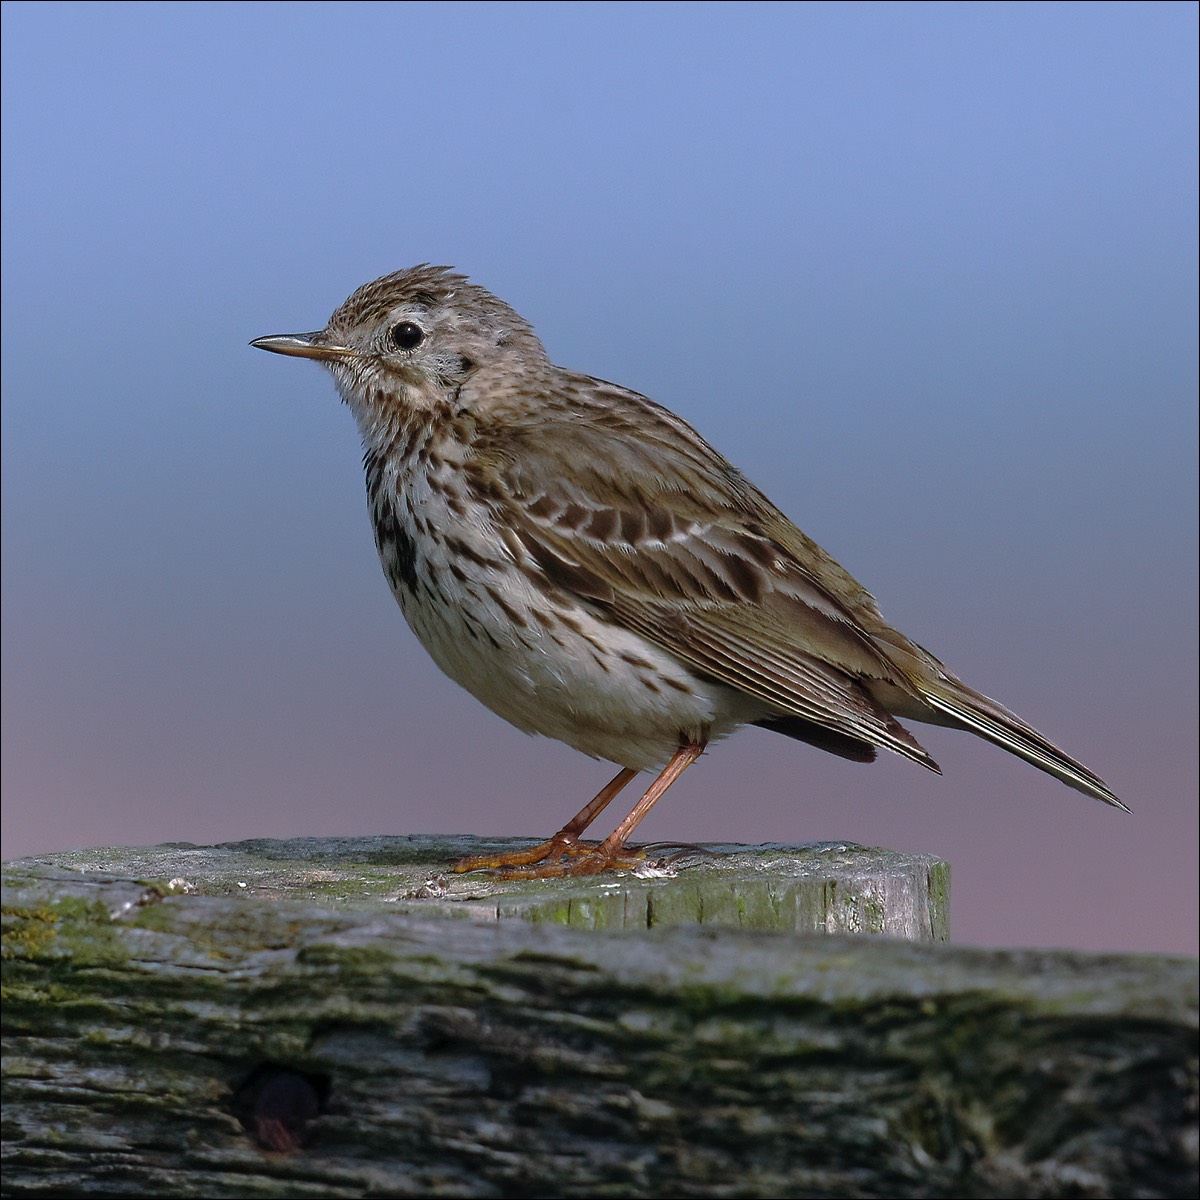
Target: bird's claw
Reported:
point(552, 860)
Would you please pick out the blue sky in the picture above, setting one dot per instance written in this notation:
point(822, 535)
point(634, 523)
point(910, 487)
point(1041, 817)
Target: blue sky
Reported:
point(926, 272)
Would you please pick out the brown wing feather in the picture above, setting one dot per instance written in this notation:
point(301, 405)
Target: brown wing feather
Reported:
point(674, 544)
point(626, 505)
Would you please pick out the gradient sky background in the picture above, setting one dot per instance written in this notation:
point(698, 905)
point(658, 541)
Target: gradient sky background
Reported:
point(927, 273)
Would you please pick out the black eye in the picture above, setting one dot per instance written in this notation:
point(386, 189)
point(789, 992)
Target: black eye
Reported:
point(406, 335)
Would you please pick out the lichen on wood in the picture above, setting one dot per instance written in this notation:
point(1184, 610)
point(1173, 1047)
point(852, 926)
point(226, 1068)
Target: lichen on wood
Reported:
point(168, 1033)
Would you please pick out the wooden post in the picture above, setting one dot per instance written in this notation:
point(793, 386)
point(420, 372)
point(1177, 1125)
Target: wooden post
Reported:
point(307, 1019)
point(829, 887)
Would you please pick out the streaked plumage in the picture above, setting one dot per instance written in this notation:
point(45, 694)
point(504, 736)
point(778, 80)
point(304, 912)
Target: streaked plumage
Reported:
point(583, 562)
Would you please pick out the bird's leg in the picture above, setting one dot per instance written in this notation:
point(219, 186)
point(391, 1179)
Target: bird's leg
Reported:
point(565, 841)
point(611, 853)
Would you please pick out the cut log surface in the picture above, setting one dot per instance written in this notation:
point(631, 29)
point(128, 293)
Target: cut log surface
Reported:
point(305, 1019)
point(826, 887)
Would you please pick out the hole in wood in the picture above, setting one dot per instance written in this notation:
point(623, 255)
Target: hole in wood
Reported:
point(277, 1105)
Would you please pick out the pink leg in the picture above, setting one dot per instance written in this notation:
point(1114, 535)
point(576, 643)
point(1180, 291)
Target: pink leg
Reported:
point(565, 841)
point(611, 853)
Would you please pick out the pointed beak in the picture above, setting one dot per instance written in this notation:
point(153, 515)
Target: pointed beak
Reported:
point(303, 345)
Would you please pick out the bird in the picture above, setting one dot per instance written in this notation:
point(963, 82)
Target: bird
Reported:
point(584, 563)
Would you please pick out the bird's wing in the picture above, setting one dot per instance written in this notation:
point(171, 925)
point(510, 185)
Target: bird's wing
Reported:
point(629, 508)
point(633, 512)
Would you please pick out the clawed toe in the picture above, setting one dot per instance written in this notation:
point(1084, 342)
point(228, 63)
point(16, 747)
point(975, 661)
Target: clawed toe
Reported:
point(551, 860)
point(577, 861)
point(548, 852)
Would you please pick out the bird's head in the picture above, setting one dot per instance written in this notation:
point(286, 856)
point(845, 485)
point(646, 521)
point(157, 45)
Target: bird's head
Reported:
point(410, 341)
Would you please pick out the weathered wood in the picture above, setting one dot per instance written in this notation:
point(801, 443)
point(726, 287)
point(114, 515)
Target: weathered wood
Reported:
point(389, 1052)
point(826, 887)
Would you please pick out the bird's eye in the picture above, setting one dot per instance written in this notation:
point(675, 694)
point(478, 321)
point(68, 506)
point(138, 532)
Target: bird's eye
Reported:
point(406, 335)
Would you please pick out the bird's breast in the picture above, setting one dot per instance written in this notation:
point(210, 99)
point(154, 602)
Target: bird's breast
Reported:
point(544, 660)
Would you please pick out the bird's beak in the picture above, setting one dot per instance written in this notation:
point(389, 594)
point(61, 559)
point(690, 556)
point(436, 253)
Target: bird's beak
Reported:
point(303, 345)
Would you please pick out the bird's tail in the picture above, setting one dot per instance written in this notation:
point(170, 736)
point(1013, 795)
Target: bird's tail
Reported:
point(969, 709)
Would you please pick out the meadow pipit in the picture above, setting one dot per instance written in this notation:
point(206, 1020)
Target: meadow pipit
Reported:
point(583, 562)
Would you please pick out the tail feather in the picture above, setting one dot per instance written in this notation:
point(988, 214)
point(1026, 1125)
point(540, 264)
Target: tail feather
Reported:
point(841, 744)
point(993, 721)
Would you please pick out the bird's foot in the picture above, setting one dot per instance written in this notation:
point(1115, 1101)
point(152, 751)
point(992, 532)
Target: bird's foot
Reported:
point(579, 861)
point(549, 851)
point(552, 859)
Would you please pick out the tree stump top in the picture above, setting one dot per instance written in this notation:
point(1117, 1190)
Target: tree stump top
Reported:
point(828, 887)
